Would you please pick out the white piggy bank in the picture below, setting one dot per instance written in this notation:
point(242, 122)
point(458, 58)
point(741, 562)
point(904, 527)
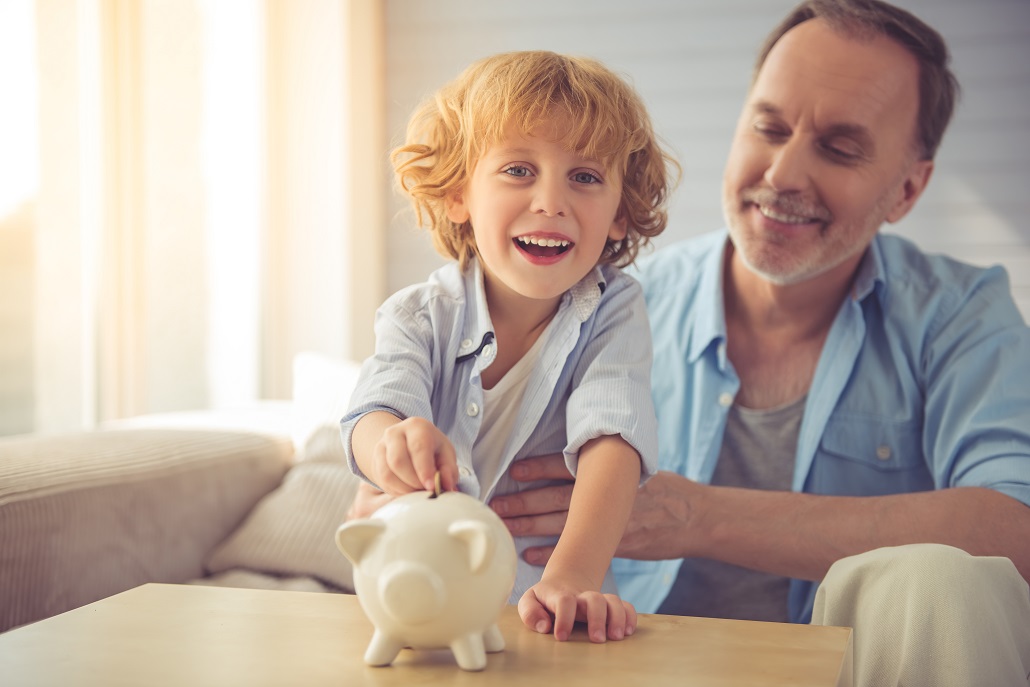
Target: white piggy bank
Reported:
point(432, 572)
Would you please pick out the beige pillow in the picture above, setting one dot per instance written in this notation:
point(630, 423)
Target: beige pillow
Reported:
point(292, 531)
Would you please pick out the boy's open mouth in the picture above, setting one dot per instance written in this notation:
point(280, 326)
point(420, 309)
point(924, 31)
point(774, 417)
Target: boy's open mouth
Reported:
point(542, 247)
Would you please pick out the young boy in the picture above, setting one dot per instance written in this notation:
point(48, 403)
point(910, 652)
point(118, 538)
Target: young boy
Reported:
point(540, 175)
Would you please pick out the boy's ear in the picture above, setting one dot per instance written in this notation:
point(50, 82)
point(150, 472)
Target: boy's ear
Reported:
point(457, 211)
point(618, 231)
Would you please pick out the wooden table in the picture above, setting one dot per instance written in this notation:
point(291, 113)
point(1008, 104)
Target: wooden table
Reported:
point(162, 634)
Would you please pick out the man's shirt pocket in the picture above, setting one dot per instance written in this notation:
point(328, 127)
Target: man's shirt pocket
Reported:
point(869, 456)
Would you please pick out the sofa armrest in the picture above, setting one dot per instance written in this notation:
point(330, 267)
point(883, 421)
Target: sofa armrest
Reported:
point(87, 515)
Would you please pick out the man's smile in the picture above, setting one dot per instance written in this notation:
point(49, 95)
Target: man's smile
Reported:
point(783, 217)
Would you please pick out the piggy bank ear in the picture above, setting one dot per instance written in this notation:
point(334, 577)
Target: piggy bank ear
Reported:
point(475, 535)
point(353, 538)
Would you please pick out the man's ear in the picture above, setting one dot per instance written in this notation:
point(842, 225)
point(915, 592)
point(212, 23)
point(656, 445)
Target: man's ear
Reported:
point(911, 188)
point(457, 209)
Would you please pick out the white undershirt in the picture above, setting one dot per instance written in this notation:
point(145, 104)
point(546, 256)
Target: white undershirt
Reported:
point(500, 408)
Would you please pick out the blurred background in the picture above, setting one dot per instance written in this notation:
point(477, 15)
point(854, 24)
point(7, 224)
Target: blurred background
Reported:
point(192, 192)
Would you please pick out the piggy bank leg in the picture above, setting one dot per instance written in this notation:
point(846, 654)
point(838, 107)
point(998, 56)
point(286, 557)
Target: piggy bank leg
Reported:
point(468, 652)
point(382, 649)
point(493, 640)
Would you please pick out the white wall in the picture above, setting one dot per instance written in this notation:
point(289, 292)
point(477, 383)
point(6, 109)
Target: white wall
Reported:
point(691, 61)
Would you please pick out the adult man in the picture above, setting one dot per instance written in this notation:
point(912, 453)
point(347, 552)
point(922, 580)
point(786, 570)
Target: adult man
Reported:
point(830, 398)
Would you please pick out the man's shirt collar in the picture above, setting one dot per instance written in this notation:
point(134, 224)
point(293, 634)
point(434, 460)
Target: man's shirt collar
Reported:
point(711, 317)
point(711, 321)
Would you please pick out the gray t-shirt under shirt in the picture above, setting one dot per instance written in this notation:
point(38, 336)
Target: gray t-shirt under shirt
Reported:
point(757, 452)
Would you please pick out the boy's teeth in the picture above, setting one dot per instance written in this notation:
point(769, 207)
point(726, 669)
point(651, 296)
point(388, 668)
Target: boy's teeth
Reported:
point(548, 243)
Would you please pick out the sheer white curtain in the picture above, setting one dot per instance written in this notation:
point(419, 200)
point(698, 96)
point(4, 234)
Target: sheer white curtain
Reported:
point(208, 203)
point(19, 183)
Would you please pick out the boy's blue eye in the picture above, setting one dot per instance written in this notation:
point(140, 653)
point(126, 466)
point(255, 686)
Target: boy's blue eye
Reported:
point(585, 178)
point(517, 171)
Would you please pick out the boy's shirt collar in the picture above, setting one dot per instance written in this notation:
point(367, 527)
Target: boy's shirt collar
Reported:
point(478, 330)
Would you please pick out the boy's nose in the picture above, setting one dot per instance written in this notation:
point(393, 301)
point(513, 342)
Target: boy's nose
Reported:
point(549, 199)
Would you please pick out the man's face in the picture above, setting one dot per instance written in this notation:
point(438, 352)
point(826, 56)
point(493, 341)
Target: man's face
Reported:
point(823, 154)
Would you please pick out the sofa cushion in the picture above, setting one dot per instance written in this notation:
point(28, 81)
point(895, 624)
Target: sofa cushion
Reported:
point(291, 534)
point(292, 531)
point(90, 514)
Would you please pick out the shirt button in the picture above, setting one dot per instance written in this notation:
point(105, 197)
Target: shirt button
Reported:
point(725, 400)
point(488, 350)
point(883, 452)
point(464, 471)
point(467, 343)
point(472, 410)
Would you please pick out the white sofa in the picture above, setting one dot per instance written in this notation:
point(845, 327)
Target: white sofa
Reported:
point(185, 498)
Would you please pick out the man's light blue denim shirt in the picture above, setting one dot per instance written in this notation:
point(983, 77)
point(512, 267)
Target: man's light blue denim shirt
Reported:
point(923, 383)
point(592, 379)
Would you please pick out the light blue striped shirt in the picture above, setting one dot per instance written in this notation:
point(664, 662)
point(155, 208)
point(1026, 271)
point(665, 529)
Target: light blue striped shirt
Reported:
point(923, 383)
point(592, 379)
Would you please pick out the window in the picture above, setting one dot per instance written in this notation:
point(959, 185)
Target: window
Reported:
point(190, 229)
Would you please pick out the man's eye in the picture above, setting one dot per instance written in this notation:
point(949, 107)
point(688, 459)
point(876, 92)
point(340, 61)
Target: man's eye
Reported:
point(842, 154)
point(517, 171)
point(586, 178)
point(770, 132)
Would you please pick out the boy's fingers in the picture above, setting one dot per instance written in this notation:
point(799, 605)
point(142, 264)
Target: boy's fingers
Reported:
point(533, 613)
point(631, 618)
point(595, 607)
point(395, 473)
point(447, 464)
point(617, 617)
point(564, 616)
point(422, 449)
point(433, 453)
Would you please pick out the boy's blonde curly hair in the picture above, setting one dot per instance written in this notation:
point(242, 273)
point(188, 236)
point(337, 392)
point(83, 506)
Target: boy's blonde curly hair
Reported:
point(606, 121)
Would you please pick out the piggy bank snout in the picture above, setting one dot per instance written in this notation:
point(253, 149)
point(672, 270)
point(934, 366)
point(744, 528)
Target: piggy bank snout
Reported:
point(411, 592)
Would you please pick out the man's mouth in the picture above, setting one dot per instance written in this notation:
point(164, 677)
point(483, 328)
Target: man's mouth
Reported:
point(783, 217)
point(542, 246)
point(786, 208)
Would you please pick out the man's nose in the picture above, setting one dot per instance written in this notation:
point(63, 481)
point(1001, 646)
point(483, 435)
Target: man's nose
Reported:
point(549, 197)
point(790, 166)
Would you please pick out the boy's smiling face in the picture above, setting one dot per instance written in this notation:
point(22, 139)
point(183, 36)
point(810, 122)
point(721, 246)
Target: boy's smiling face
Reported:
point(540, 214)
